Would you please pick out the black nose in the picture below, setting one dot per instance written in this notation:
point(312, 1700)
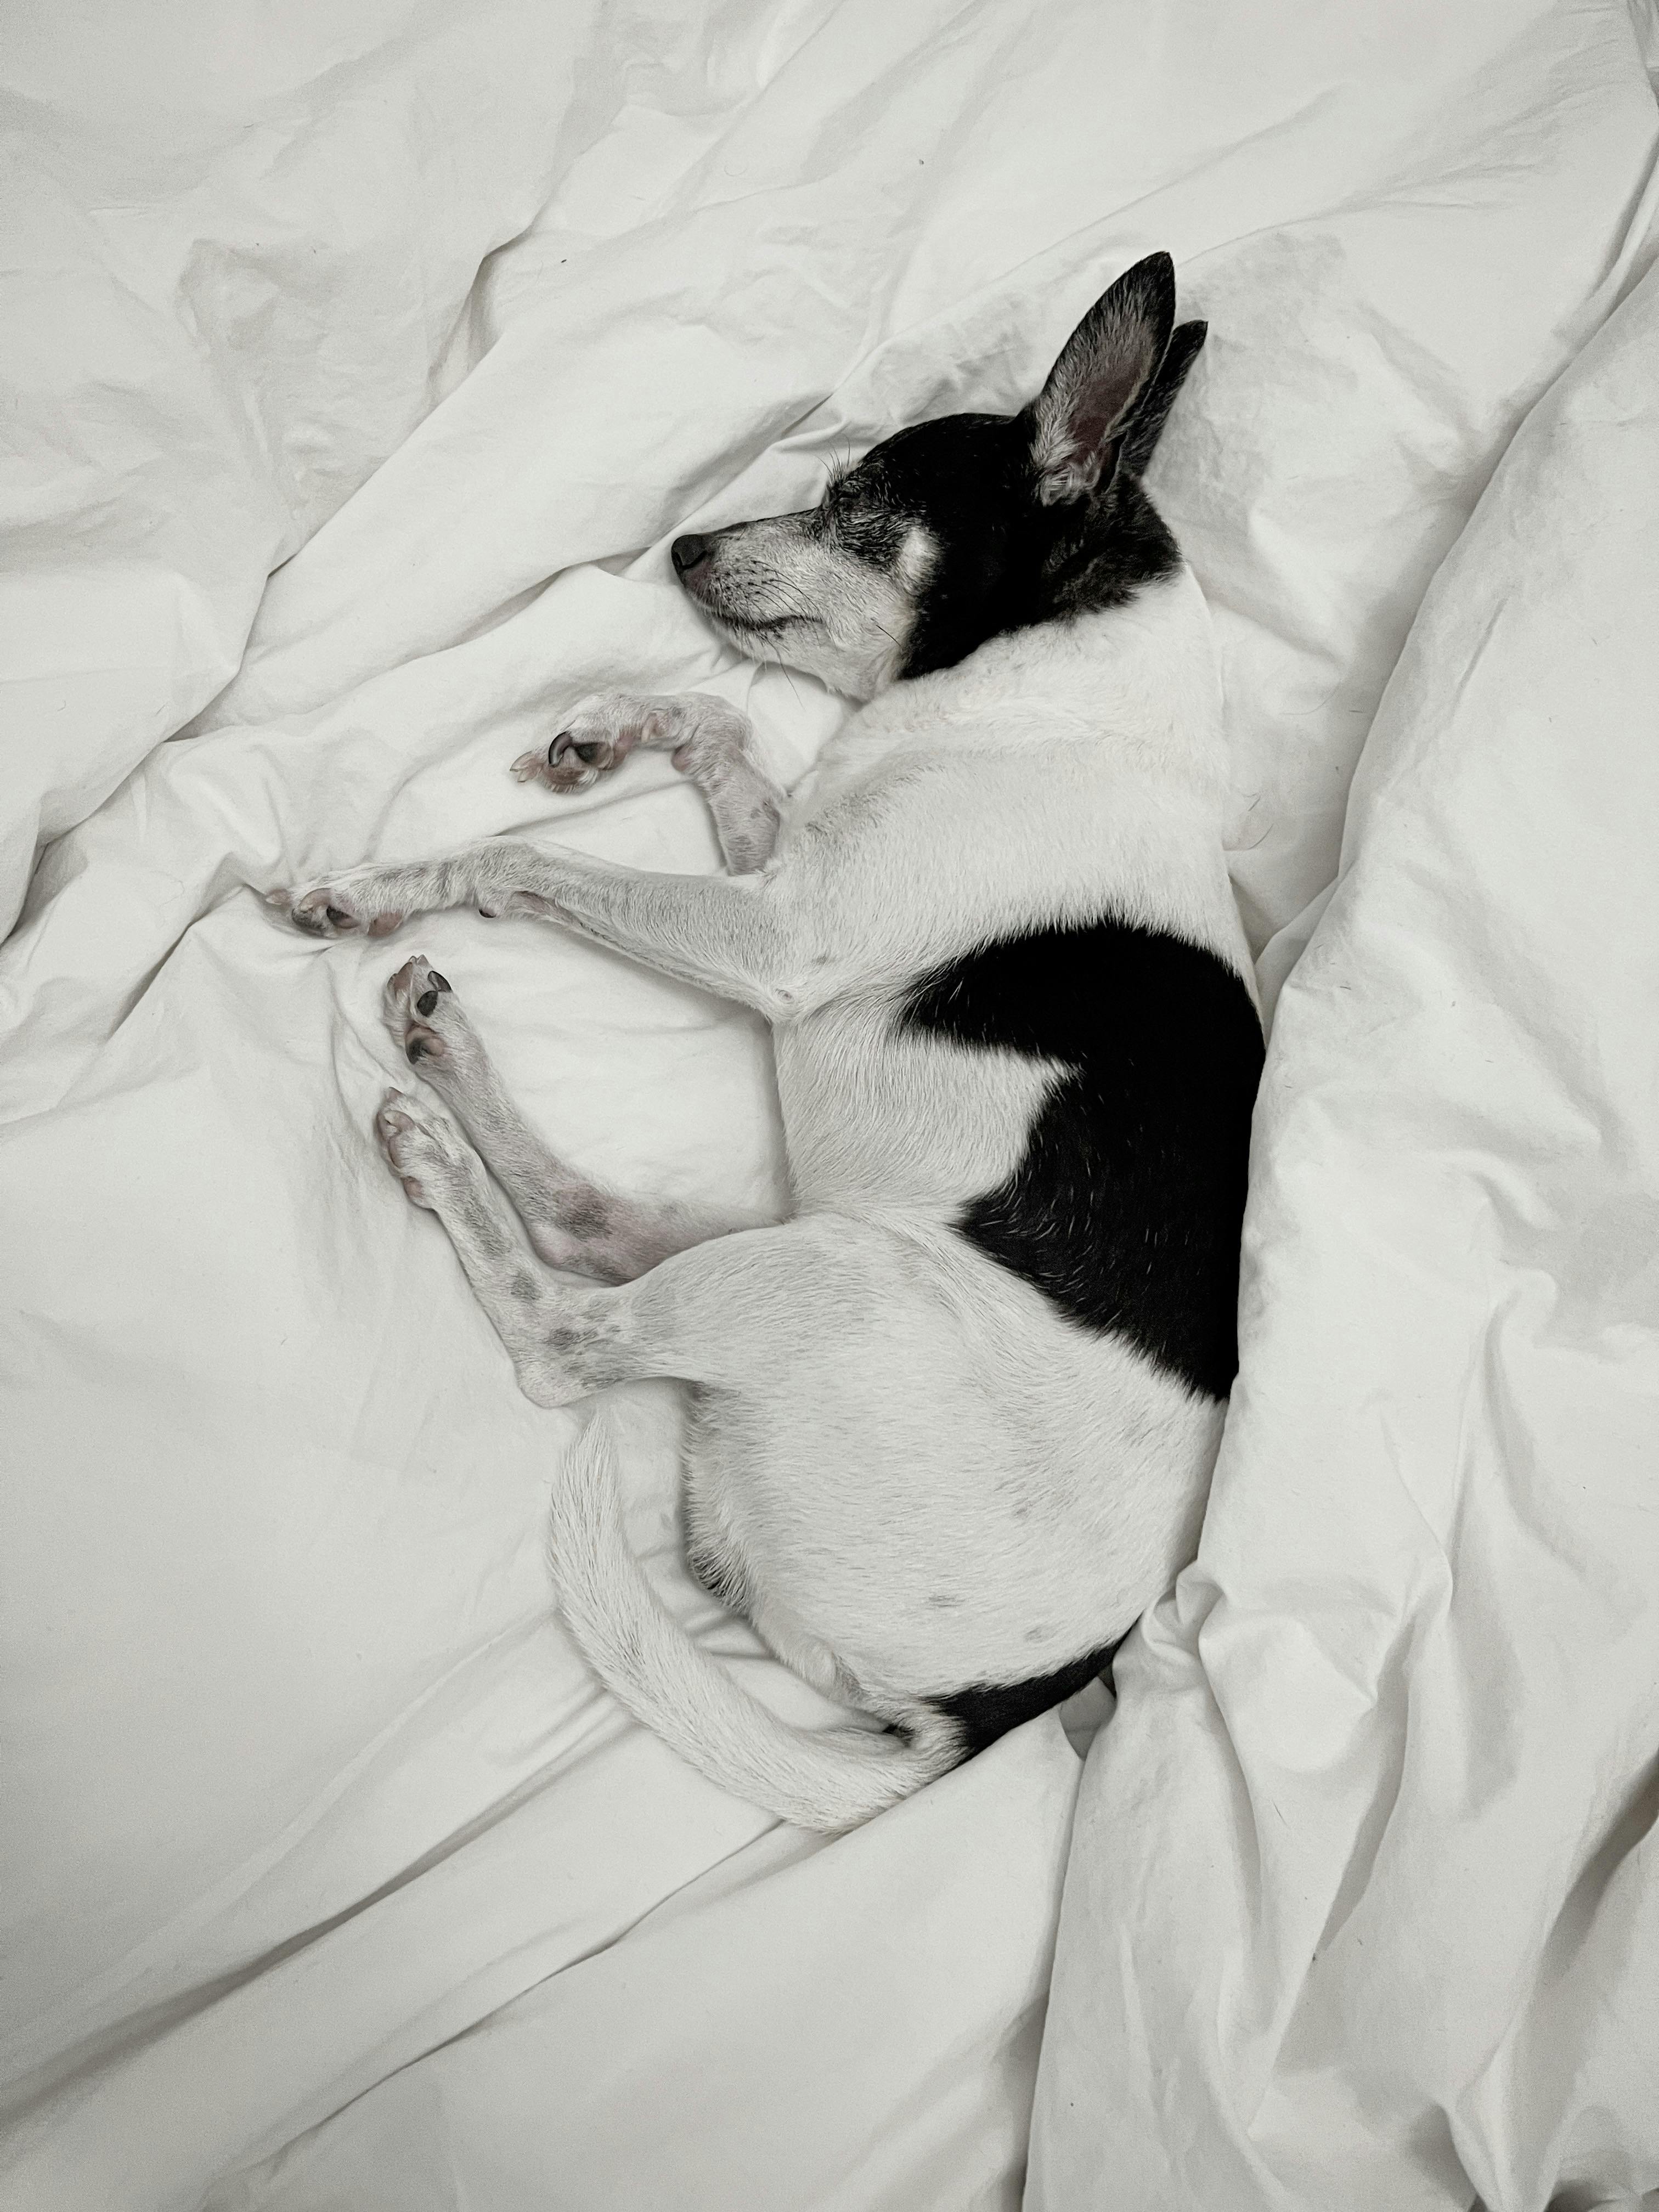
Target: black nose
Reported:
point(687, 552)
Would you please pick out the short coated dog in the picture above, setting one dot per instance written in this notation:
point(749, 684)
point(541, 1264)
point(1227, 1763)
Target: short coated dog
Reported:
point(953, 1421)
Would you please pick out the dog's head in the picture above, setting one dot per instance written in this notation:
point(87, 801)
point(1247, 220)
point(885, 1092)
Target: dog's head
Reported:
point(957, 530)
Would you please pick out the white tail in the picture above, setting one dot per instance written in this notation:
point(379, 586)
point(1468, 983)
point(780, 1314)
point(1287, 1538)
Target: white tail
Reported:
point(831, 1780)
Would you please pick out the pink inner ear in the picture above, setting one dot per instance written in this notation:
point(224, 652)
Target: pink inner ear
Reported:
point(1092, 419)
point(1074, 445)
point(1100, 401)
point(1102, 369)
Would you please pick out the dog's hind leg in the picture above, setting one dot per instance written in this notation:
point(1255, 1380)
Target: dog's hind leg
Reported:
point(689, 1318)
point(712, 745)
point(571, 1222)
point(557, 1335)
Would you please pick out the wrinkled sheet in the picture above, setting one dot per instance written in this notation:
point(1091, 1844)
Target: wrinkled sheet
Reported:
point(1391, 1939)
point(329, 1877)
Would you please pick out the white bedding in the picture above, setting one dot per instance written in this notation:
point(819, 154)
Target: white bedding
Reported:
point(1393, 1937)
point(329, 1879)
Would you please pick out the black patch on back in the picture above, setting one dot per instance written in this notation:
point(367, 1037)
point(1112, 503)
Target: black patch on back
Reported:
point(991, 1709)
point(1126, 1207)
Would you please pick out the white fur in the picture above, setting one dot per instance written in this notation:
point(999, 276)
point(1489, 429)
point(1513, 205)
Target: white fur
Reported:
point(646, 1659)
point(780, 591)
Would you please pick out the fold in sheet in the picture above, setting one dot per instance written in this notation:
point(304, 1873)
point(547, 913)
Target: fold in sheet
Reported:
point(1362, 1907)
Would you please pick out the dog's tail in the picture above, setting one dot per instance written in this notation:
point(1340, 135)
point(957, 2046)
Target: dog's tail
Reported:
point(829, 1779)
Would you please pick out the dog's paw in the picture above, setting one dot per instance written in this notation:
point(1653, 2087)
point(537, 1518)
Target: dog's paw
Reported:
point(596, 738)
point(424, 1015)
point(424, 1149)
point(341, 906)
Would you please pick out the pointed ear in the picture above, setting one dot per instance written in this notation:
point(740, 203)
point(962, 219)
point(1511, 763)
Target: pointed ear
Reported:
point(1108, 361)
point(1146, 426)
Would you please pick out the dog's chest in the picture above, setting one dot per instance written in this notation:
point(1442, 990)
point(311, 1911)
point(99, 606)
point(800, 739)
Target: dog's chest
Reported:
point(849, 782)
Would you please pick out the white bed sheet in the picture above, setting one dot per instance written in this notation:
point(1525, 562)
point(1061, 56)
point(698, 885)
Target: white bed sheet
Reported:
point(304, 1783)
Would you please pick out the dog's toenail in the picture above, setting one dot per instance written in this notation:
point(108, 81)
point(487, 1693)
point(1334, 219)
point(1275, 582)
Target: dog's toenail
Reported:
point(425, 1002)
point(438, 983)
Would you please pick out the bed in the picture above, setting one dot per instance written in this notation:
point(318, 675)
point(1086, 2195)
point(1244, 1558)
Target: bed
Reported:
point(359, 365)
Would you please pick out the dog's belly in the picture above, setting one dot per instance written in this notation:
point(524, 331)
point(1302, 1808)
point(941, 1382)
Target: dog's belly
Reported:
point(955, 1487)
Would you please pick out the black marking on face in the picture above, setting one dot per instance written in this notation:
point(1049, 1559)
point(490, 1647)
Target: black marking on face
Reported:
point(989, 1710)
point(1002, 560)
point(427, 1003)
point(1005, 547)
point(1126, 1209)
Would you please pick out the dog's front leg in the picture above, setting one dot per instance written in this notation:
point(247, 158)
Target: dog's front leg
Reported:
point(741, 936)
point(712, 745)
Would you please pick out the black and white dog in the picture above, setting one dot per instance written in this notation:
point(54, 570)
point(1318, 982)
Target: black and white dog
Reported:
point(954, 1421)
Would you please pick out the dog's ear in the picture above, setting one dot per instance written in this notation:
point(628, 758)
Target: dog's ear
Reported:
point(1146, 425)
point(1108, 364)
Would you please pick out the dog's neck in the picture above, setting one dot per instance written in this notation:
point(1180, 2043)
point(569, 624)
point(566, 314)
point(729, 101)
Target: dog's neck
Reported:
point(1146, 672)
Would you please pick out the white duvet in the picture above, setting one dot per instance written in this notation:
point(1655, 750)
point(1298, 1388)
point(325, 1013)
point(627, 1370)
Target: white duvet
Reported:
point(1392, 1936)
point(329, 1880)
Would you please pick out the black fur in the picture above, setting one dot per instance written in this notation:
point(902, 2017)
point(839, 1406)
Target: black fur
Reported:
point(1006, 562)
point(1005, 556)
point(991, 1709)
point(1146, 425)
point(1126, 1208)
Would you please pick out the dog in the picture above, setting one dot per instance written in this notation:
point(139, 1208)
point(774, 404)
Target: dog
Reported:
point(952, 1423)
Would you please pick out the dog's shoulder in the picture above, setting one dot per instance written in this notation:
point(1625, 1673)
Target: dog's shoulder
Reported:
point(1140, 682)
point(1058, 774)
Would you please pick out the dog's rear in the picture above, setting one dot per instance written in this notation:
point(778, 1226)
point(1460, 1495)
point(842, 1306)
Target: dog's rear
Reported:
point(827, 1779)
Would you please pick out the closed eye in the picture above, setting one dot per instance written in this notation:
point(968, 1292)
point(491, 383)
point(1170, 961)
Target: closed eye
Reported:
point(844, 497)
